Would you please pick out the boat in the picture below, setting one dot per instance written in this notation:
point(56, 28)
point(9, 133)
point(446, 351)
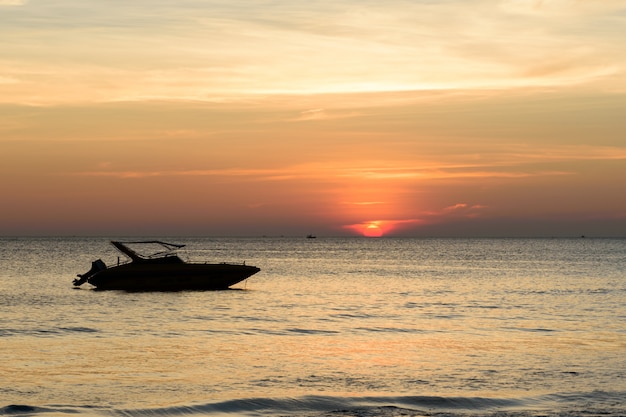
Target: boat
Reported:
point(162, 271)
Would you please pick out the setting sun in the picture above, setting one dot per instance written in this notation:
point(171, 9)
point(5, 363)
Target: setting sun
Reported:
point(368, 229)
point(372, 230)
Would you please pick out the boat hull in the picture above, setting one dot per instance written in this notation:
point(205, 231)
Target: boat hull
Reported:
point(170, 277)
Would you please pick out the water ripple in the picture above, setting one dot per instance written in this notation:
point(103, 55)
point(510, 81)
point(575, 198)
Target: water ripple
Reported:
point(607, 404)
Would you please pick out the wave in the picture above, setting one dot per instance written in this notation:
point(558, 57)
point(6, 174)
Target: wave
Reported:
point(50, 332)
point(607, 404)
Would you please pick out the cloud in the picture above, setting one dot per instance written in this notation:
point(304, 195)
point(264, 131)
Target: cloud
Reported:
point(257, 174)
point(307, 172)
point(313, 114)
point(463, 207)
point(507, 164)
point(459, 210)
point(200, 50)
point(455, 207)
point(364, 203)
point(13, 2)
point(444, 170)
point(8, 80)
point(561, 7)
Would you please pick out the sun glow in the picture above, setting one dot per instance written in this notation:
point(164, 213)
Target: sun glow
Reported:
point(368, 229)
point(372, 230)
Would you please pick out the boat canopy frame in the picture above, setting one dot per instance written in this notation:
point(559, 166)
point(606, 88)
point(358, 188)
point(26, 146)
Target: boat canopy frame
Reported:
point(170, 249)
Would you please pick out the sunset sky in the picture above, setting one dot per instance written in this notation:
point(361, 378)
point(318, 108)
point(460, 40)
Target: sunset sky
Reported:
point(339, 118)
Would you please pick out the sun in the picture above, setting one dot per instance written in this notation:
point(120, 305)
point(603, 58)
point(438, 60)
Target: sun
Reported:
point(372, 230)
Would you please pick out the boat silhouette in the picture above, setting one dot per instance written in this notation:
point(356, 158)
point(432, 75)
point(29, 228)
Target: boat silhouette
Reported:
point(162, 271)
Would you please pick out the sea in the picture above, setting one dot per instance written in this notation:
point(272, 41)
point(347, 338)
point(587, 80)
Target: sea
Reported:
point(330, 327)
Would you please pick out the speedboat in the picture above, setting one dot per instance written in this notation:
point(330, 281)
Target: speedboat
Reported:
point(162, 271)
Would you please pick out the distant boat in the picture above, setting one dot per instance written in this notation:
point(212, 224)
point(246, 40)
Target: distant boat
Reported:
point(162, 271)
point(311, 236)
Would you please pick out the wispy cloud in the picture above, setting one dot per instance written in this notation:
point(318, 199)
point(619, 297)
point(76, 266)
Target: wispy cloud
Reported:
point(8, 80)
point(561, 7)
point(310, 172)
point(13, 2)
point(195, 49)
point(364, 203)
point(250, 174)
point(312, 114)
point(503, 166)
point(463, 208)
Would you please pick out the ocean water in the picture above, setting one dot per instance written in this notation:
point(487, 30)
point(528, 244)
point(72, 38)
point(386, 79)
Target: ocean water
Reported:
point(329, 327)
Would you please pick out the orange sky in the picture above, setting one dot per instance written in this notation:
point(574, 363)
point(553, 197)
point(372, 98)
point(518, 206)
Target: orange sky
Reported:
point(482, 118)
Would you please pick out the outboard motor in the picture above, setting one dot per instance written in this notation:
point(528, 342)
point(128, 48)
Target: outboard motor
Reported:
point(96, 266)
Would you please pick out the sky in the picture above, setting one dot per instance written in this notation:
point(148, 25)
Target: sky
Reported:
point(336, 118)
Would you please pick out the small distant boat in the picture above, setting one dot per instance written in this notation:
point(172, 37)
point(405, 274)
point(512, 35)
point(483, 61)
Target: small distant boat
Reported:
point(162, 271)
point(311, 236)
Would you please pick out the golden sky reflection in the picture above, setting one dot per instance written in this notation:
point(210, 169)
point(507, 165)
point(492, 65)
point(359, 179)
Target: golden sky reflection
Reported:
point(493, 117)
